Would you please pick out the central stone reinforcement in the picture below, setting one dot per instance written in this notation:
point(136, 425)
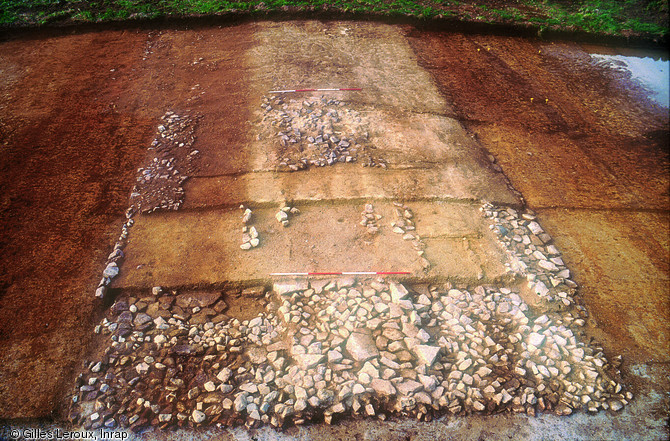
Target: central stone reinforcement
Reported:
point(328, 348)
point(489, 319)
point(331, 348)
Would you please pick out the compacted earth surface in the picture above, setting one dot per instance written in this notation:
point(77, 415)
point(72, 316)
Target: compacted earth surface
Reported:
point(173, 222)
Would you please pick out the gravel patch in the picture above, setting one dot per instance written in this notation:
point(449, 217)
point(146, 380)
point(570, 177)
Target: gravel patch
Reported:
point(316, 132)
point(338, 348)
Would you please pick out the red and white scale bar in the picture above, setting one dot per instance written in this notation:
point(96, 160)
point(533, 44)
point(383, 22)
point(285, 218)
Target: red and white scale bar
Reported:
point(316, 90)
point(345, 273)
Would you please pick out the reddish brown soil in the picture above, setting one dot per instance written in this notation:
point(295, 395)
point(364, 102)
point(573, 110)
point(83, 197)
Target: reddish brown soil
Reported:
point(589, 153)
point(77, 113)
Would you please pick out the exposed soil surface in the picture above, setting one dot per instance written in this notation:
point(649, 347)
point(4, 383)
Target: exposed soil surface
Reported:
point(589, 152)
point(77, 113)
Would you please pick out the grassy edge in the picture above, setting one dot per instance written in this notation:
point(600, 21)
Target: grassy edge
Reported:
point(583, 24)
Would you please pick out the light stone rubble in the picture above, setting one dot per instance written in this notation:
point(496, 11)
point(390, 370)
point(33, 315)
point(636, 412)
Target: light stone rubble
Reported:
point(370, 221)
point(533, 255)
point(334, 348)
point(250, 237)
point(285, 213)
point(316, 132)
point(404, 225)
point(159, 183)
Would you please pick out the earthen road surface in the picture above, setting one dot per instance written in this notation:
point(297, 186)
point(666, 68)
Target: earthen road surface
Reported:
point(460, 119)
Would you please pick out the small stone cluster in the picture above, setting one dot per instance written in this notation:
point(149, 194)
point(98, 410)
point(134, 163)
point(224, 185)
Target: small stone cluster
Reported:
point(317, 132)
point(404, 225)
point(159, 183)
point(532, 254)
point(332, 348)
point(112, 268)
point(284, 214)
point(250, 237)
point(370, 220)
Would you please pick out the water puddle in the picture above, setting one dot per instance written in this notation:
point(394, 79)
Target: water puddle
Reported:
point(652, 73)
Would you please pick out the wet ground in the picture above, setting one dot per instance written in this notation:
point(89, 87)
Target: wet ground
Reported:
point(581, 143)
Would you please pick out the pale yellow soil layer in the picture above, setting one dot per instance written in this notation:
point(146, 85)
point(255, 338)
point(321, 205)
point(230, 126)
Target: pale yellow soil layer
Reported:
point(203, 248)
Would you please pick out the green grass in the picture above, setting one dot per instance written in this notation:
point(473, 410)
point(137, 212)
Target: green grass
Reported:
point(648, 17)
point(611, 17)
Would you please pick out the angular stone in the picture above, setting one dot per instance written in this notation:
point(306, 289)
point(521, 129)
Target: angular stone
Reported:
point(111, 271)
point(224, 375)
point(381, 307)
point(142, 368)
point(201, 299)
point(308, 361)
point(536, 339)
point(345, 282)
point(240, 402)
point(408, 387)
point(383, 387)
point(361, 347)
point(358, 389)
point(142, 319)
point(289, 287)
point(398, 291)
point(334, 356)
point(426, 354)
point(535, 228)
point(465, 364)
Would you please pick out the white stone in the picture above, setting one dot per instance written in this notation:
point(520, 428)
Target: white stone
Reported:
point(535, 228)
point(427, 354)
point(334, 356)
point(289, 287)
point(142, 368)
point(465, 364)
point(398, 291)
point(429, 382)
point(198, 416)
point(615, 405)
point(383, 387)
point(361, 347)
point(536, 339)
point(547, 265)
point(308, 361)
point(240, 403)
point(409, 386)
point(541, 289)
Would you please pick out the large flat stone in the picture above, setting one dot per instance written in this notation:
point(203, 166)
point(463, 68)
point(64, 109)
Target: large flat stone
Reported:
point(361, 346)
